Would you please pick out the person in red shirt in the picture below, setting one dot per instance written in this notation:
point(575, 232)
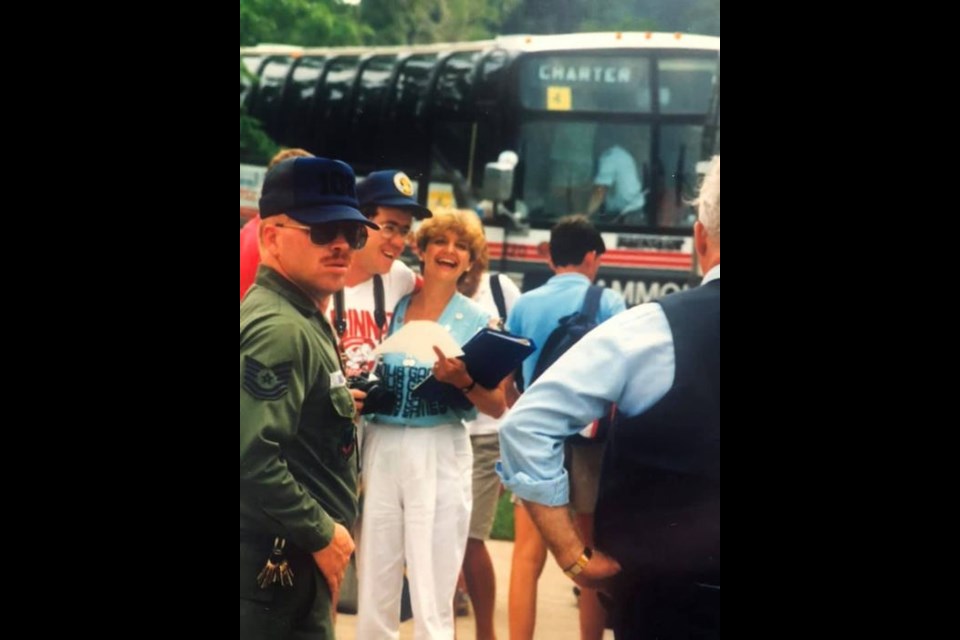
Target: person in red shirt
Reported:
point(249, 233)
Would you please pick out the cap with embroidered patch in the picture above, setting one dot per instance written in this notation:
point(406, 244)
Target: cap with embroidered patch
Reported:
point(390, 188)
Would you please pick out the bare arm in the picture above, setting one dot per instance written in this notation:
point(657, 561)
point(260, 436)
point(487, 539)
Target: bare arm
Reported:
point(596, 199)
point(558, 530)
point(454, 371)
point(511, 393)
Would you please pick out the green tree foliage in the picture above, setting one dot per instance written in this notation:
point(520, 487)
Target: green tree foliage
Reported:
point(256, 147)
point(424, 21)
point(330, 22)
point(303, 22)
point(300, 22)
point(564, 16)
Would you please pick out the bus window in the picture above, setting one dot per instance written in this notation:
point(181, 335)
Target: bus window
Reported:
point(686, 84)
point(252, 63)
point(372, 89)
point(298, 101)
point(333, 101)
point(561, 160)
point(586, 83)
point(266, 105)
point(452, 94)
point(411, 85)
point(679, 152)
point(403, 134)
point(490, 81)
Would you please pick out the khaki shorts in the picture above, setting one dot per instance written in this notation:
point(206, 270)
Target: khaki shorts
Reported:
point(486, 484)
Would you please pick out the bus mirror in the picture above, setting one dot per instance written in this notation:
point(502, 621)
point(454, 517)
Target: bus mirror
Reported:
point(509, 158)
point(497, 181)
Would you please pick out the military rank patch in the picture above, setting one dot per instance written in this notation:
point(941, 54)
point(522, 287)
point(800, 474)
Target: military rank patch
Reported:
point(263, 382)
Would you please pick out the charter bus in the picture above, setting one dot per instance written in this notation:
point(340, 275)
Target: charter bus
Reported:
point(570, 107)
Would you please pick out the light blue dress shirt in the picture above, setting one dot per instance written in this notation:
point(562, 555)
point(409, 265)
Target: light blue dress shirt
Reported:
point(628, 360)
point(618, 172)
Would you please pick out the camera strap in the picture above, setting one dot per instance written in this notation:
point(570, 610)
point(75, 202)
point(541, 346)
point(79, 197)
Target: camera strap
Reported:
point(379, 312)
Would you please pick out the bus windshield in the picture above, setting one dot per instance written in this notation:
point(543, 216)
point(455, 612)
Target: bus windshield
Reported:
point(593, 141)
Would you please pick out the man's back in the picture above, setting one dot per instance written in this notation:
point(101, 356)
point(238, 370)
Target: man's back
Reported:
point(538, 311)
point(617, 171)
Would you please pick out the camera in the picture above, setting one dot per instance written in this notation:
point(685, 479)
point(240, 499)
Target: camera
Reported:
point(379, 399)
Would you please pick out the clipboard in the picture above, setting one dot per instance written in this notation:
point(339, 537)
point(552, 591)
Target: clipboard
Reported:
point(490, 356)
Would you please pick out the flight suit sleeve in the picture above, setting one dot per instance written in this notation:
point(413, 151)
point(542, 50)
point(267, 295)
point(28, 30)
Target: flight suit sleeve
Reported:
point(277, 369)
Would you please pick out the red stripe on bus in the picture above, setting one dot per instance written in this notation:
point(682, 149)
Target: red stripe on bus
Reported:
point(614, 257)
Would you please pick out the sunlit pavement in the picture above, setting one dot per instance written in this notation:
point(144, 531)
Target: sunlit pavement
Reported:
point(556, 605)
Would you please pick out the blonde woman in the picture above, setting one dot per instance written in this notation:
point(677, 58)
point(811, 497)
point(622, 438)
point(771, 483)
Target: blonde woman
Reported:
point(417, 460)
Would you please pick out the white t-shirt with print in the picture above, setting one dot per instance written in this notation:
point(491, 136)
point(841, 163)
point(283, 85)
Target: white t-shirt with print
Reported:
point(485, 424)
point(362, 336)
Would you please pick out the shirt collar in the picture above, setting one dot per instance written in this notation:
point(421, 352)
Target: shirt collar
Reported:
point(571, 275)
point(270, 279)
point(713, 274)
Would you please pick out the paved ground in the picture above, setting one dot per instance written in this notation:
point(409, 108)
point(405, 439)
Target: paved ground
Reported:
point(556, 605)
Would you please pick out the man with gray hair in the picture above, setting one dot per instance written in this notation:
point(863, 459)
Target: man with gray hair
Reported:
point(657, 521)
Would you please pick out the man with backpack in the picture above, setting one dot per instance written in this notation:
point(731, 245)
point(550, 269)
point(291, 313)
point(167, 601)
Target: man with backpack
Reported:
point(551, 316)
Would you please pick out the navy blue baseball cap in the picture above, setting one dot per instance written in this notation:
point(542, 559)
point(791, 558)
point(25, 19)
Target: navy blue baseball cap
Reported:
point(312, 191)
point(390, 188)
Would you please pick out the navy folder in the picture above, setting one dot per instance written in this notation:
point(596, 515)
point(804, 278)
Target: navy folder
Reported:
point(490, 356)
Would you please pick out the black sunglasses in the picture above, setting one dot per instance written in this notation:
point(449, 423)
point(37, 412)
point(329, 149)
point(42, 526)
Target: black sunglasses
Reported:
point(355, 233)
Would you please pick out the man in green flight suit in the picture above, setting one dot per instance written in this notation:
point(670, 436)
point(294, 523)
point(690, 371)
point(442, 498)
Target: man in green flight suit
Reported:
point(298, 467)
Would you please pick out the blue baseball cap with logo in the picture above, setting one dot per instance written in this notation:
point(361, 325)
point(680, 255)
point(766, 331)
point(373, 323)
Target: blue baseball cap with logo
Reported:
point(390, 188)
point(312, 191)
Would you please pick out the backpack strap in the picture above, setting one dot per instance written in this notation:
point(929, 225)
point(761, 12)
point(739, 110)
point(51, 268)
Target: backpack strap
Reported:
point(497, 290)
point(591, 301)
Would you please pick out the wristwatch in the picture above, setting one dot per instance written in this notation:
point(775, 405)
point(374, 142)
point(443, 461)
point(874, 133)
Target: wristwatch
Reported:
point(577, 567)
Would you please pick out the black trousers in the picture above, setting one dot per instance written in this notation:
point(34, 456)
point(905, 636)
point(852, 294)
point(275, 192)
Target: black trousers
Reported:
point(665, 609)
point(300, 612)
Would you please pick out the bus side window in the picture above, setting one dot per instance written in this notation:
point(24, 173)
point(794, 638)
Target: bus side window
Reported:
point(266, 104)
point(333, 105)
point(298, 101)
point(454, 84)
point(371, 92)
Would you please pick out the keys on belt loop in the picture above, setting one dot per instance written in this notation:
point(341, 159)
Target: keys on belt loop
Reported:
point(277, 569)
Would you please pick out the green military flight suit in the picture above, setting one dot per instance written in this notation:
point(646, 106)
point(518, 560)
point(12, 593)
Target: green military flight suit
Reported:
point(298, 467)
